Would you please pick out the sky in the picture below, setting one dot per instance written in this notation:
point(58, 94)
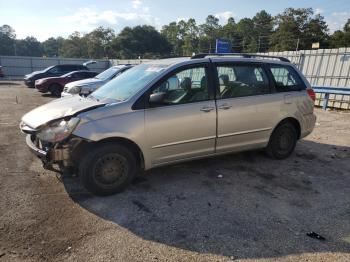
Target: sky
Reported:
point(44, 19)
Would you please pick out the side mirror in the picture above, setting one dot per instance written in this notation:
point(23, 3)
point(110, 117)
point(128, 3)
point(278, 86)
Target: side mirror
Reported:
point(157, 98)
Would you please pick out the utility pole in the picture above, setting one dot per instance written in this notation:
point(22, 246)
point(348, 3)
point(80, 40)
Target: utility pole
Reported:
point(297, 45)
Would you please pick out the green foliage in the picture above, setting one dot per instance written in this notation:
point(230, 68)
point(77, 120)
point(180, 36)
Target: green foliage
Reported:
point(29, 46)
point(298, 29)
point(99, 42)
point(7, 40)
point(341, 38)
point(74, 46)
point(144, 41)
point(52, 46)
point(293, 28)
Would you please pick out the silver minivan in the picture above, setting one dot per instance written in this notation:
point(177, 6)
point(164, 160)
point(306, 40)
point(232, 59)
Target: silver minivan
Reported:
point(173, 110)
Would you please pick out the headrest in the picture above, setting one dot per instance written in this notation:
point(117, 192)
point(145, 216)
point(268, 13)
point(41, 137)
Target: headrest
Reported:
point(224, 80)
point(186, 84)
point(204, 82)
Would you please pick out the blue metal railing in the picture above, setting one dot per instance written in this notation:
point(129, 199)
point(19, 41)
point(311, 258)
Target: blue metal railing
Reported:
point(327, 91)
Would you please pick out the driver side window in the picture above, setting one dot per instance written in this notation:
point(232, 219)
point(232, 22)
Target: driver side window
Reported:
point(187, 86)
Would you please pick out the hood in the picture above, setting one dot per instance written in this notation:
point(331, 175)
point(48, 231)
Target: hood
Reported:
point(90, 81)
point(34, 73)
point(50, 78)
point(58, 108)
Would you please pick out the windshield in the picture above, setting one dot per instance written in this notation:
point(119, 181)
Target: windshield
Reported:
point(129, 83)
point(47, 69)
point(107, 73)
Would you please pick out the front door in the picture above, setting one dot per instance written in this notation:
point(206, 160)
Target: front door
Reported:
point(183, 125)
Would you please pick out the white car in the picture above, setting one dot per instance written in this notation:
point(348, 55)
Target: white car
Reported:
point(87, 86)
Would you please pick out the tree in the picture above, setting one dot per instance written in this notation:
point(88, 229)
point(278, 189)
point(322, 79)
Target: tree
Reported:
point(190, 37)
point(209, 32)
point(7, 40)
point(245, 31)
point(52, 46)
point(316, 31)
point(341, 38)
point(29, 46)
point(263, 28)
point(98, 42)
point(229, 32)
point(144, 41)
point(171, 32)
point(298, 28)
point(74, 46)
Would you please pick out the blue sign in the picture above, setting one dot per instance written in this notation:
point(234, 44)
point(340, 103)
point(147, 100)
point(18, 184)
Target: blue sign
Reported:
point(223, 46)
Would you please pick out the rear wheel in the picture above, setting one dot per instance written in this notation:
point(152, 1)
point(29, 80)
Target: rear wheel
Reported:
point(108, 169)
point(56, 90)
point(282, 141)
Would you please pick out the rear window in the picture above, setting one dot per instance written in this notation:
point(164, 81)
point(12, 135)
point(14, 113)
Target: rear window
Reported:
point(286, 78)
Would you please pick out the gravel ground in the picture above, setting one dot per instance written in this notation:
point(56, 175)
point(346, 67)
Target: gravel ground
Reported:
point(235, 207)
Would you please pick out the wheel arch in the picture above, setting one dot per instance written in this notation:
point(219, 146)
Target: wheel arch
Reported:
point(55, 84)
point(295, 122)
point(86, 146)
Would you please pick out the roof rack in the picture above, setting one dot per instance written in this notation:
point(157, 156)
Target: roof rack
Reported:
point(244, 55)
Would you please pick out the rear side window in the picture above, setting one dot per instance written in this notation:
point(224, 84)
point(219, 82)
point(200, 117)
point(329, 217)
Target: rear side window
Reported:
point(242, 80)
point(55, 70)
point(66, 68)
point(81, 67)
point(286, 78)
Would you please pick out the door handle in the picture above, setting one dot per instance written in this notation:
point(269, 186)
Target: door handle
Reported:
point(207, 109)
point(225, 106)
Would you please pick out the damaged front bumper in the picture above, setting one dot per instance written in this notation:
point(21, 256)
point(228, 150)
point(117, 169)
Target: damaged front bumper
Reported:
point(49, 155)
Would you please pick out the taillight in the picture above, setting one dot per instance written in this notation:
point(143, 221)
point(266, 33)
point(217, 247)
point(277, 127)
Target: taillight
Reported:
point(311, 94)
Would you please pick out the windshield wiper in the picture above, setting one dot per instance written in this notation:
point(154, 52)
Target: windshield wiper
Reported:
point(93, 98)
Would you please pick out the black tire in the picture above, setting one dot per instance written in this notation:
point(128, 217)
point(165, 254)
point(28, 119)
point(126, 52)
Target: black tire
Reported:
point(108, 169)
point(56, 90)
point(282, 141)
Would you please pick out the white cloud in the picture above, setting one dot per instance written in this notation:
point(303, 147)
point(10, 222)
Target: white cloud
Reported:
point(224, 16)
point(88, 18)
point(318, 11)
point(337, 20)
point(181, 18)
point(136, 4)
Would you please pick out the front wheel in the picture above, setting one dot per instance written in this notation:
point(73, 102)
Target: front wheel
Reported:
point(108, 169)
point(56, 90)
point(282, 141)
